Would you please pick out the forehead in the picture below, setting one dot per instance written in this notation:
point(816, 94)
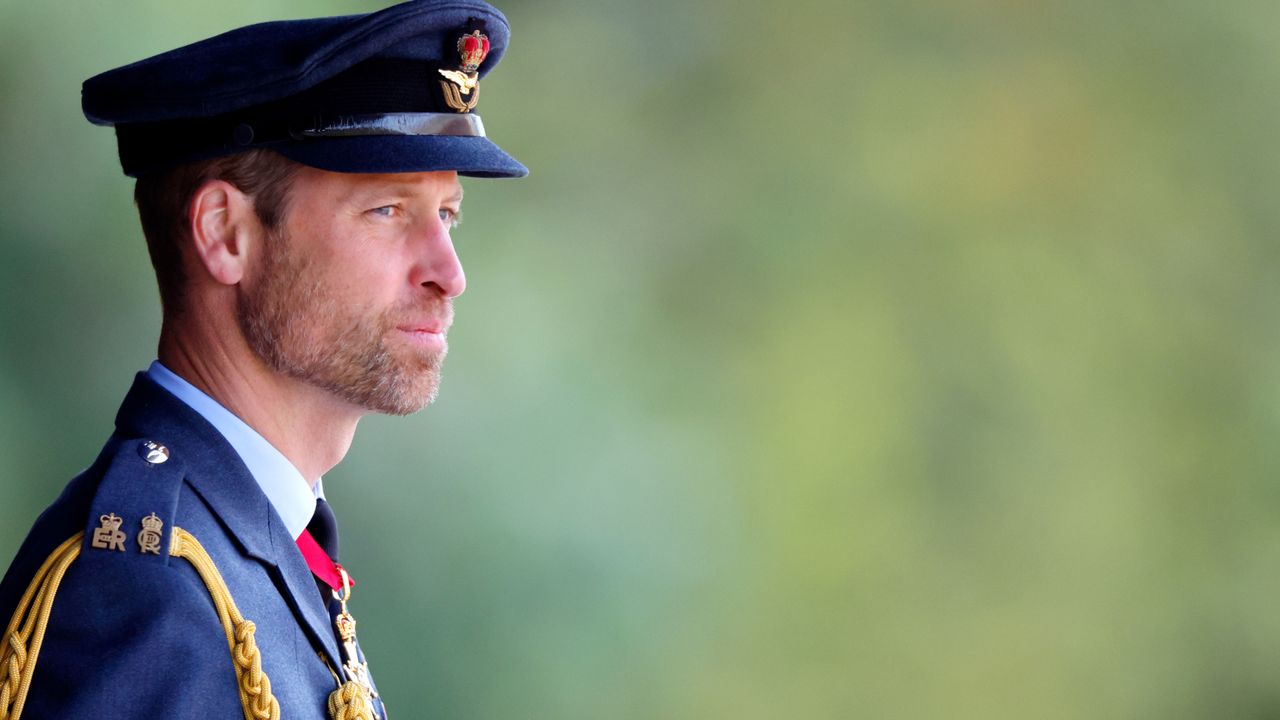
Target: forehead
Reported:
point(311, 184)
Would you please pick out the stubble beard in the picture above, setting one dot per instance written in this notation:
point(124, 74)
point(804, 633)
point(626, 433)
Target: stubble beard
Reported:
point(302, 332)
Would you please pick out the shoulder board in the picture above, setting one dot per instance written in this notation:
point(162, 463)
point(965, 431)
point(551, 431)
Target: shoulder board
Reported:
point(133, 511)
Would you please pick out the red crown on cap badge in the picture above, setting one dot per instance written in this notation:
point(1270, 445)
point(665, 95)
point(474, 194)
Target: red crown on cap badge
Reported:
point(473, 47)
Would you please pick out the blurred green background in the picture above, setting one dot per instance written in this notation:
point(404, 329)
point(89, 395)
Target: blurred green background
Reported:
point(838, 359)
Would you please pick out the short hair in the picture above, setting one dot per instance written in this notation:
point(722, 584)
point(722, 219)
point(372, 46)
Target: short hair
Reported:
point(164, 201)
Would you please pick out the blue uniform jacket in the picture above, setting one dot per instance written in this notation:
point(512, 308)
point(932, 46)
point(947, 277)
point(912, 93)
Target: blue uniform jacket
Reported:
point(136, 635)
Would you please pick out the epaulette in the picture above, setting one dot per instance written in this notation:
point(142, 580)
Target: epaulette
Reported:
point(131, 519)
point(132, 513)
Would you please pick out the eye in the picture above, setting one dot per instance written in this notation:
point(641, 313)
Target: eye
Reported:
point(451, 217)
point(386, 211)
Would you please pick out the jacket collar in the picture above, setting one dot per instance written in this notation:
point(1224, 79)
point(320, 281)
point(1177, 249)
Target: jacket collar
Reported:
point(217, 474)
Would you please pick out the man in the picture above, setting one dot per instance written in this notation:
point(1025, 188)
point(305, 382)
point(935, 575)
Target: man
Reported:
point(296, 182)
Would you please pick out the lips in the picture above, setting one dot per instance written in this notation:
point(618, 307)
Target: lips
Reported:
point(435, 324)
point(436, 328)
point(429, 336)
point(431, 319)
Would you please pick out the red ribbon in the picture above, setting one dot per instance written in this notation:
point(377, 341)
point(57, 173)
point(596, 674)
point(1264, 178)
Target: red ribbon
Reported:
point(321, 565)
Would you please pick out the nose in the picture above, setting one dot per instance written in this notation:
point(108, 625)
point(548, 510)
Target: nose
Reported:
point(437, 266)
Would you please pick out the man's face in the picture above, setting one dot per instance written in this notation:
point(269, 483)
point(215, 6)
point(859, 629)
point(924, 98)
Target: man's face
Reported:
point(353, 293)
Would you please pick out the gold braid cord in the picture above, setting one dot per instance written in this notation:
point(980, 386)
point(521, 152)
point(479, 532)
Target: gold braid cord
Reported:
point(350, 702)
point(255, 686)
point(26, 630)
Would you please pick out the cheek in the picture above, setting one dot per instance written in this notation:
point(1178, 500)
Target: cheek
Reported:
point(354, 292)
point(378, 270)
point(350, 269)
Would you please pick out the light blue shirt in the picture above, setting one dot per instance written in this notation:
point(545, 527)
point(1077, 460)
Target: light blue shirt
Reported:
point(293, 499)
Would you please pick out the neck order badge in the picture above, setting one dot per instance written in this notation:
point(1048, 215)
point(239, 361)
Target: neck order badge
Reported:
point(332, 574)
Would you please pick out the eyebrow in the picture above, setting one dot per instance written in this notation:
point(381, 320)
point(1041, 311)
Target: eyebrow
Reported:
point(396, 185)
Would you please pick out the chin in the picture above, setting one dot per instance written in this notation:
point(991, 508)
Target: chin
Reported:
point(400, 395)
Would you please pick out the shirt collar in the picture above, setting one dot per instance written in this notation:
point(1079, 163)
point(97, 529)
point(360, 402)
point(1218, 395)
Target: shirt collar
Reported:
point(293, 500)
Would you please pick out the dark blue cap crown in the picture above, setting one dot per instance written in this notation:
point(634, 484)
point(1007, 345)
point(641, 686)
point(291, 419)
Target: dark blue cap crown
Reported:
point(390, 91)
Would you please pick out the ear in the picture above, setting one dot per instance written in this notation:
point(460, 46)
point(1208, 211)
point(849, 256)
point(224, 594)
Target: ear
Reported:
point(223, 224)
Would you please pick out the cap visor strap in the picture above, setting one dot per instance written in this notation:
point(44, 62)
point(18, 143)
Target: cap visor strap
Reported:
point(457, 124)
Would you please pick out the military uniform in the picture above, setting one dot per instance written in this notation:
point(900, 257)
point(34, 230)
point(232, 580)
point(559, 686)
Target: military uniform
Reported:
point(164, 581)
point(135, 633)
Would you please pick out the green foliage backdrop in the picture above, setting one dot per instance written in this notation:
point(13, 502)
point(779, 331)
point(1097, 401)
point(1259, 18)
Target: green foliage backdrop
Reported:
point(910, 359)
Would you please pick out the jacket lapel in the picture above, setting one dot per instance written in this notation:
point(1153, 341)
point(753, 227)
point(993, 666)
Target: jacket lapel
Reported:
point(217, 474)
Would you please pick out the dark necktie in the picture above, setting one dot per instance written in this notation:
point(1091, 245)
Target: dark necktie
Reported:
point(324, 528)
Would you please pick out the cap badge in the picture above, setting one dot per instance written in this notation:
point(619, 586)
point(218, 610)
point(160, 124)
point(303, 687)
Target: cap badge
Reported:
point(473, 48)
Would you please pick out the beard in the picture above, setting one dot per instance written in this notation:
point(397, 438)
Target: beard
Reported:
point(303, 332)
